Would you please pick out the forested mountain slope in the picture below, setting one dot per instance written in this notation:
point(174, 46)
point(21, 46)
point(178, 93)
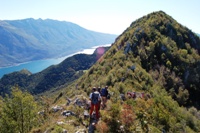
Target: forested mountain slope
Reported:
point(167, 51)
point(52, 77)
point(155, 56)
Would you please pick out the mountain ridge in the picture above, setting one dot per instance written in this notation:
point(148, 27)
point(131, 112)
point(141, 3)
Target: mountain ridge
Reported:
point(155, 56)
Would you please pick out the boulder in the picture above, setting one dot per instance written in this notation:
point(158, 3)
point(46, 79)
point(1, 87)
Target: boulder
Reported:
point(81, 131)
point(86, 114)
point(64, 131)
point(122, 97)
point(41, 112)
point(60, 122)
point(68, 113)
point(56, 108)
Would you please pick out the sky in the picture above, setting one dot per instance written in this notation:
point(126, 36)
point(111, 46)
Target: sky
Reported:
point(107, 16)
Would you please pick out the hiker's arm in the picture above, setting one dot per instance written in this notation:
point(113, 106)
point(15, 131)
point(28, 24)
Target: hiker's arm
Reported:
point(107, 93)
point(99, 98)
point(90, 96)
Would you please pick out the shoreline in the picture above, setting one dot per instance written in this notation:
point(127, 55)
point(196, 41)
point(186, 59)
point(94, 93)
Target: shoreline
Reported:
point(78, 52)
point(39, 65)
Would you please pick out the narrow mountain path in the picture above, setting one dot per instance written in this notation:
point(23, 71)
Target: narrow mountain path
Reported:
point(92, 124)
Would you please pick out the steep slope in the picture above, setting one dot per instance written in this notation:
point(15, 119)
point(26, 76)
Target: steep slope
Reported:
point(162, 47)
point(30, 39)
point(52, 77)
point(158, 57)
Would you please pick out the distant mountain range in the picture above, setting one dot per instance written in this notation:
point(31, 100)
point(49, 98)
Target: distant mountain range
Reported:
point(30, 39)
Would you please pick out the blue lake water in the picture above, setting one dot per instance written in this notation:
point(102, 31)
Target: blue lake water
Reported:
point(39, 65)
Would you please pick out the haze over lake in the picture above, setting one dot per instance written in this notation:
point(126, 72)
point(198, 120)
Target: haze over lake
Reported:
point(39, 65)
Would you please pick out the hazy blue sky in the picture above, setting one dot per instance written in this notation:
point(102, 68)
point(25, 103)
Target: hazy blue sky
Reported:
point(109, 16)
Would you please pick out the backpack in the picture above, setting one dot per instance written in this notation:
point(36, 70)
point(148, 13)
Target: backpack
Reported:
point(95, 98)
point(104, 92)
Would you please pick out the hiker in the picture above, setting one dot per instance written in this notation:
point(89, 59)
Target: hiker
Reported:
point(131, 94)
point(95, 97)
point(99, 90)
point(104, 94)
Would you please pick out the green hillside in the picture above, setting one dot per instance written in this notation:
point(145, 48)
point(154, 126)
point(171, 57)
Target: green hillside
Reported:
point(161, 51)
point(165, 44)
point(52, 77)
point(157, 58)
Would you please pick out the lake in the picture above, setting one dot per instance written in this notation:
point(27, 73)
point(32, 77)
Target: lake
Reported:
point(39, 65)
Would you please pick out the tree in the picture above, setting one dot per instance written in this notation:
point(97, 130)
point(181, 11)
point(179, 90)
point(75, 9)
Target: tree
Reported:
point(18, 112)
